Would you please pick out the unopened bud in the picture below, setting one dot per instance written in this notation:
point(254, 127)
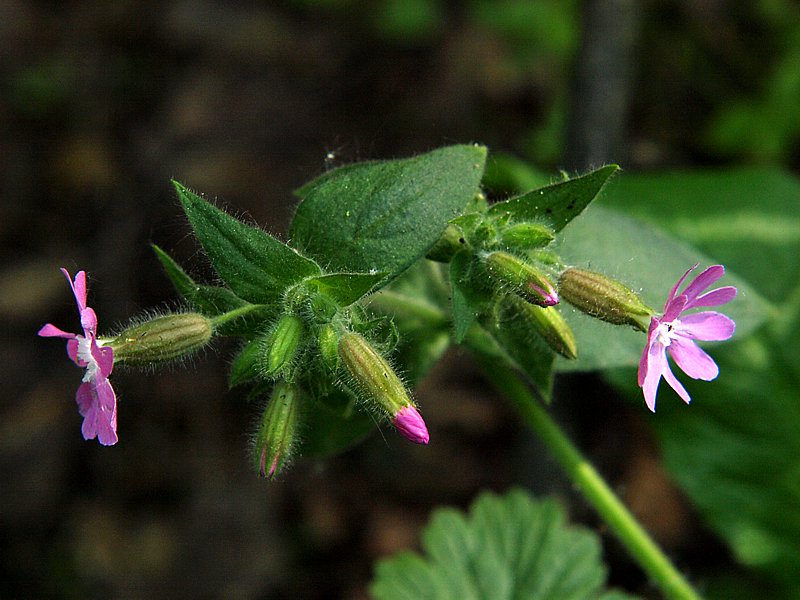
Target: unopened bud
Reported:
point(550, 326)
point(374, 376)
point(162, 339)
point(281, 345)
point(276, 433)
point(604, 298)
point(328, 341)
point(525, 280)
point(526, 235)
point(410, 424)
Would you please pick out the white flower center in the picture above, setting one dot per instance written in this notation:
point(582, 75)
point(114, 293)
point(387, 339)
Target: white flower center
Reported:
point(666, 332)
point(85, 355)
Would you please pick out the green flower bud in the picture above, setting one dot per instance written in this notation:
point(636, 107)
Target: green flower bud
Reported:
point(526, 235)
point(524, 280)
point(372, 374)
point(281, 345)
point(329, 346)
point(276, 436)
point(162, 339)
point(604, 298)
point(550, 325)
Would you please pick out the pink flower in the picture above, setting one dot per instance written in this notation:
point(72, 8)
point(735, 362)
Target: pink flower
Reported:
point(669, 333)
point(96, 400)
point(409, 423)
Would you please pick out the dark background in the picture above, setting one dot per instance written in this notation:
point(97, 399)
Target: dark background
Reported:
point(103, 102)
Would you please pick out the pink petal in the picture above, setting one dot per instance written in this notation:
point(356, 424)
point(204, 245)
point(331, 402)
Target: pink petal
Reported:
point(409, 423)
point(72, 352)
point(644, 365)
point(715, 297)
point(703, 281)
point(104, 355)
point(707, 326)
point(693, 360)
point(50, 330)
point(78, 287)
point(674, 308)
point(656, 364)
point(88, 321)
point(674, 289)
point(98, 405)
point(676, 385)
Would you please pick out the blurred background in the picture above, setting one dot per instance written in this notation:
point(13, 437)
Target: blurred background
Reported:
point(101, 103)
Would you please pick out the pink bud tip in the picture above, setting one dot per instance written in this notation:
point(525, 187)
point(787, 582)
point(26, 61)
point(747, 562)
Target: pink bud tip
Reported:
point(409, 423)
point(549, 297)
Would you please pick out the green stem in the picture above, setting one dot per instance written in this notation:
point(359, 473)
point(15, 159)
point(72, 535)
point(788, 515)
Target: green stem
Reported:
point(394, 303)
point(235, 314)
point(633, 536)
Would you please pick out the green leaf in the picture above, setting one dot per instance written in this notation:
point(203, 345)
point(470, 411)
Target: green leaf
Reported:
point(649, 262)
point(417, 303)
point(736, 450)
point(213, 301)
point(466, 303)
point(526, 349)
point(255, 265)
point(245, 365)
point(506, 174)
point(556, 205)
point(333, 423)
point(507, 547)
point(346, 288)
point(749, 219)
point(383, 216)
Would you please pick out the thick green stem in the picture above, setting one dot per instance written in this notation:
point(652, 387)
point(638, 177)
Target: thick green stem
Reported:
point(640, 545)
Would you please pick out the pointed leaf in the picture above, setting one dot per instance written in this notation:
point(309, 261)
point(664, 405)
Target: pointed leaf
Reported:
point(255, 265)
point(556, 205)
point(245, 365)
point(383, 216)
point(211, 300)
point(466, 302)
point(527, 350)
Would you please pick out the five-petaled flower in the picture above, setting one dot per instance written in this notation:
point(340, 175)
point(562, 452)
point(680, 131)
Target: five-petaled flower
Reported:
point(96, 400)
point(669, 333)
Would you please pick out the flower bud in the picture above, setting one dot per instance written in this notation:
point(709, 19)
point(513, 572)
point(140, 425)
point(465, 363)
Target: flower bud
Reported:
point(550, 325)
point(374, 376)
point(281, 345)
point(525, 280)
point(329, 346)
point(604, 298)
point(276, 434)
point(526, 235)
point(162, 339)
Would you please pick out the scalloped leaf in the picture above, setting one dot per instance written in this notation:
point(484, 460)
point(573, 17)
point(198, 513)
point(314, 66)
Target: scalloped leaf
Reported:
point(507, 547)
point(383, 216)
point(255, 265)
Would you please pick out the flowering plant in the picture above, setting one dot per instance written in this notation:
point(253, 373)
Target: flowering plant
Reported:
point(390, 262)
